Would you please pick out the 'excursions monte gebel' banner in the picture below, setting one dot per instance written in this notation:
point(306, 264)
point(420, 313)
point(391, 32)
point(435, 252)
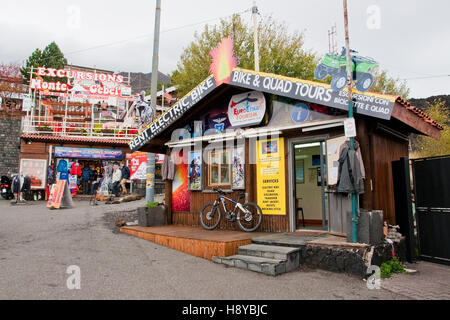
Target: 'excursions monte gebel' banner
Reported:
point(93, 83)
point(270, 176)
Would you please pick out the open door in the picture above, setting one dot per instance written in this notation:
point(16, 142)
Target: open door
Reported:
point(308, 185)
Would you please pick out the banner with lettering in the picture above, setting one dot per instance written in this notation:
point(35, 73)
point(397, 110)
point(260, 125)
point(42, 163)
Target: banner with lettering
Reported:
point(270, 176)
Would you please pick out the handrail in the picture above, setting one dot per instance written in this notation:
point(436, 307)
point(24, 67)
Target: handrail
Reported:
point(99, 128)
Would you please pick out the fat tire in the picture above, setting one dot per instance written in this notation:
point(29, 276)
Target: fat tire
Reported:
point(259, 214)
point(360, 82)
point(210, 204)
point(336, 79)
point(320, 72)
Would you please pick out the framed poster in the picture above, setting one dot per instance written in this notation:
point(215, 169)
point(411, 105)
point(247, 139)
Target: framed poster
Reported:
point(195, 171)
point(36, 169)
point(270, 176)
point(238, 168)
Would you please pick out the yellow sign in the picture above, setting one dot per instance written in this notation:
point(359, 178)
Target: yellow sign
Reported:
point(270, 176)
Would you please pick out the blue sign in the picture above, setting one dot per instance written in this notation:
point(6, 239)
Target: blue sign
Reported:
point(88, 153)
point(300, 112)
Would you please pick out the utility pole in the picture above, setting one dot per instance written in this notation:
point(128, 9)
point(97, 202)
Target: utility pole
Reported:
point(350, 115)
point(150, 181)
point(255, 35)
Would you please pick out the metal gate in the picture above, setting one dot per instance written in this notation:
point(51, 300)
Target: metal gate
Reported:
point(432, 204)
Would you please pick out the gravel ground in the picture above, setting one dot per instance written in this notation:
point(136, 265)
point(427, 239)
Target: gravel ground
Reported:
point(37, 246)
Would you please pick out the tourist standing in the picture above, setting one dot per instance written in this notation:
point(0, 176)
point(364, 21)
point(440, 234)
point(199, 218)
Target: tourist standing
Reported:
point(125, 176)
point(116, 177)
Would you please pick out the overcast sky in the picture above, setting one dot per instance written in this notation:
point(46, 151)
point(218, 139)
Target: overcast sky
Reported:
point(409, 38)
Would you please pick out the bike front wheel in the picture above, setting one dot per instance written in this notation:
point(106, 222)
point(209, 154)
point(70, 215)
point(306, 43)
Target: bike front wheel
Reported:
point(251, 218)
point(210, 216)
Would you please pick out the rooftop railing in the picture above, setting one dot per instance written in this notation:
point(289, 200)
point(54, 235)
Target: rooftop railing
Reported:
point(106, 129)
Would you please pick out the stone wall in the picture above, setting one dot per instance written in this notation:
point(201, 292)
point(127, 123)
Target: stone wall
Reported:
point(352, 260)
point(9, 145)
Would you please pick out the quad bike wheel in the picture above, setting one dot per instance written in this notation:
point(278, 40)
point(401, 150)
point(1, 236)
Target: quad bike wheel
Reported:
point(339, 81)
point(364, 82)
point(320, 72)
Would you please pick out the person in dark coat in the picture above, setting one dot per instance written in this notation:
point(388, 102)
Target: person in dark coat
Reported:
point(86, 174)
point(26, 187)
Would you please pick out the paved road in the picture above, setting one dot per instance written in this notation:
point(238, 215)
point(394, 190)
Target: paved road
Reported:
point(431, 282)
point(37, 245)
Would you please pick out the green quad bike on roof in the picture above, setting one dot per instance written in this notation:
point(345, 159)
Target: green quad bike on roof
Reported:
point(336, 66)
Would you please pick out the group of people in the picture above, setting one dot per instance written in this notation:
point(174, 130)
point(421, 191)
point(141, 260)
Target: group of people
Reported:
point(111, 176)
point(116, 174)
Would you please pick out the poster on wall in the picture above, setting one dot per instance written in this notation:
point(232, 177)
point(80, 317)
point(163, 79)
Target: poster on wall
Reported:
point(247, 109)
point(238, 168)
point(138, 165)
point(333, 146)
point(181, 196)
point(270, 176)
point(36, 169)
point(195, 170)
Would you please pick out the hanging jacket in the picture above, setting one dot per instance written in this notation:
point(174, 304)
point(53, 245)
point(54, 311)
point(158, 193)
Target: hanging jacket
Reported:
point(16, 184)
point(358, 155)
point(62, 166)
point(26, 186)
point(349, 172)
point(75, 170)
point(168, 168)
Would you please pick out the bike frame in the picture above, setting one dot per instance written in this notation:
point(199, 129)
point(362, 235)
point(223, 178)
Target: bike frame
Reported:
point(222, 199)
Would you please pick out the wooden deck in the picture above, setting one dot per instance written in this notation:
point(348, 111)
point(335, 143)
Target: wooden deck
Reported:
point(195, 241)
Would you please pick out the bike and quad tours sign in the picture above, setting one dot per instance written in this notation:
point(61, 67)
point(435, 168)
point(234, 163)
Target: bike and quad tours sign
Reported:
point(270, 176)
point(246, 109)
point(370, 104)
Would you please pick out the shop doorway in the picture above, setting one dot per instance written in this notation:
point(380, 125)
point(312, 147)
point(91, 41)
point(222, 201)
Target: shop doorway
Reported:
point(308, 207)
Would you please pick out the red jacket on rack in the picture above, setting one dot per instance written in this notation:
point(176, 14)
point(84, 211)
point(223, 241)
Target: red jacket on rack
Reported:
point(75, 170)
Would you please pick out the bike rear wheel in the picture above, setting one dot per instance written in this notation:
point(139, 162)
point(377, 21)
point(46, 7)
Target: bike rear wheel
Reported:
point(210, 216)
point(251, 219)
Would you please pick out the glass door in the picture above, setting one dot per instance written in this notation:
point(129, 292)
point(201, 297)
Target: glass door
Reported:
point(309, 168)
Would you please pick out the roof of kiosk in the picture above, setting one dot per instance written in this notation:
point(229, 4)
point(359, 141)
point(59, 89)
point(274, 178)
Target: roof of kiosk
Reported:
point(153, 137)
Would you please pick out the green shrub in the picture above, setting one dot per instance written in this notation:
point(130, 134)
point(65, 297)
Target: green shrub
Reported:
point(152, 204)
point(392, 266)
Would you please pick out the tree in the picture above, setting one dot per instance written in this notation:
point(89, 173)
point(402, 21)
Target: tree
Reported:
point(428, 147)
point(280, 52)
point(10, 82)
point(386, 85)
point(50, 57)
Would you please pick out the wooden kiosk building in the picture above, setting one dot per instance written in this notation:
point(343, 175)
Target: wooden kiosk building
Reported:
point(277, 140)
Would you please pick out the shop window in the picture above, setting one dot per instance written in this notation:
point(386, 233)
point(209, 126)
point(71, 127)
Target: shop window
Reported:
point(219, 168)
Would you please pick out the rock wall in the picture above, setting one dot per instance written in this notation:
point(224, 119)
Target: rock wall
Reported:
point(9, 145)
point(352, 260)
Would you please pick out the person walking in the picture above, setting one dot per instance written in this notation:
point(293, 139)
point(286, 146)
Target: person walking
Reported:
point(125, 176)
point(116, 177)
